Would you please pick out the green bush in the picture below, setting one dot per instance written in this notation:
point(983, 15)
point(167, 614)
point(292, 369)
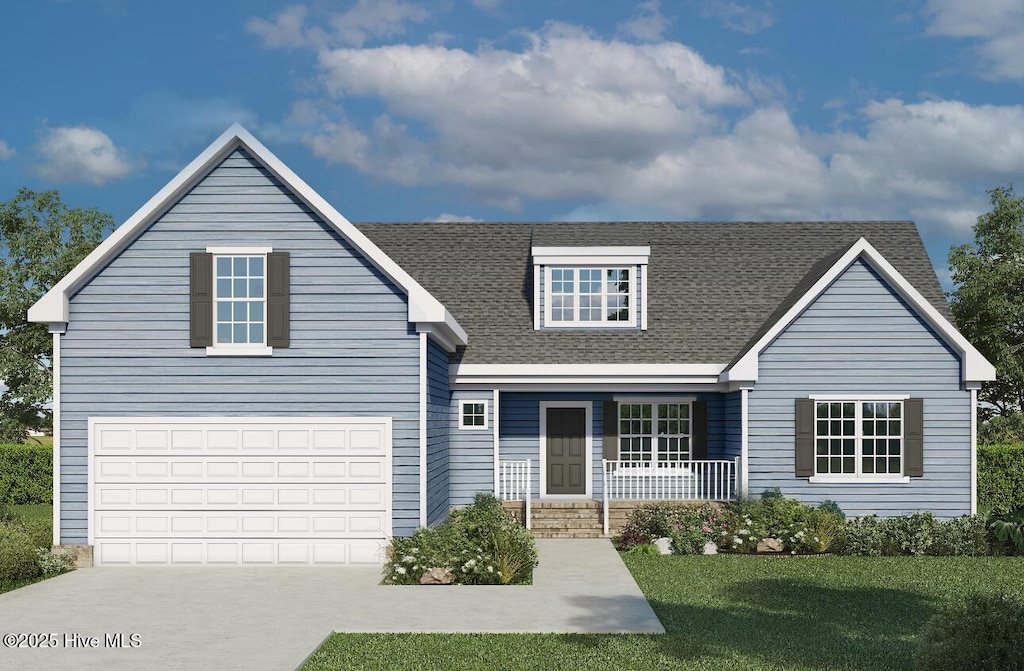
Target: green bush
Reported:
point(1006, 528)
point(479, 545)
point(1000, 476)
point(962, 537)
point(917, 534)
point(54, 563)
point(40, 532)
point(18, 558)
point(26, 474)
point(978, 633)
point(693, 527)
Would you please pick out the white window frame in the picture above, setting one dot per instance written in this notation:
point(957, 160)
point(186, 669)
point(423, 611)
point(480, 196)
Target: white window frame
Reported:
point(240, 349)
point(462, 415)
point(650, 467)
point(858, 476)
point(603, 322)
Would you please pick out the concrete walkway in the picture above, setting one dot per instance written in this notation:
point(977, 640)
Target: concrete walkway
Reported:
point(273, 618)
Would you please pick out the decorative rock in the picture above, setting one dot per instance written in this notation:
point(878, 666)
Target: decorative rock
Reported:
point(664, 545)
point(710, 548)
point(437, 576)
point(770, 545)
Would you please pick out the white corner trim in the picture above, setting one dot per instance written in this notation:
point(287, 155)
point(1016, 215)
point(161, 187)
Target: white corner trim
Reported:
point(239, 350)
point(625, 255)
point(644, 297)
point(423, 429)
point(745, 440)
point(848, 480)
point(423, 307)
point(974, 451)
point(576, 376)
point(56, 439)
point(239, 250)
point(487, 423)
point(859, 397)
point(974, 366)
point(497, 444)
point(536, 297)
point(653, 399)
point(588, 446)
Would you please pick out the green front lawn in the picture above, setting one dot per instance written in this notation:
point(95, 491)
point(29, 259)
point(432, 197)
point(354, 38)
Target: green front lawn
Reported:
point(724, 612)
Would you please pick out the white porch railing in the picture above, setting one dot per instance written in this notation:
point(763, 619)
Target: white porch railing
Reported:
point(707, 480)
point(514, 483)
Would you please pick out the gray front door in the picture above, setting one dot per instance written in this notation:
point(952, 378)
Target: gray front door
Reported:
point(566, 451)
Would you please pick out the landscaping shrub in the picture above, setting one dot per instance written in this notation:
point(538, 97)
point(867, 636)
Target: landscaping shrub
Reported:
point(478, 545)
point(830, 506)
point(40, 532)
point(978, 633)
point(18, 558)
point(26, 474)
point(802, 528)
point(645, 523)
point(1007, 529)
point(1000, 476)
point(53, 563)
point(864, 536)
point(963, 537)
point(644, 549)
point(693, 527)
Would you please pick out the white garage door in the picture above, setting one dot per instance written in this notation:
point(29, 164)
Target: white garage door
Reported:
point(246, 490)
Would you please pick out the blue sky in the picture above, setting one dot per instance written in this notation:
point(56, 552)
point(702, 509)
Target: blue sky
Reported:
point(502, 110)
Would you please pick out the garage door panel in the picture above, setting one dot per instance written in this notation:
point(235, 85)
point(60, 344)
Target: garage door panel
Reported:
point(239, 491)
point(127, 496)
point(197, 469)
point(288, 435)
point(269, 524)
point(203, 552)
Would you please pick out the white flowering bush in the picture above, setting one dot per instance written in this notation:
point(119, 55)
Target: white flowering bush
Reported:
point(52, 563)
point(478, 545)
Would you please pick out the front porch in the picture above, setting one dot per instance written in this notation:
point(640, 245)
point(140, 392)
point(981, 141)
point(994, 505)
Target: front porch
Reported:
point(625, 485)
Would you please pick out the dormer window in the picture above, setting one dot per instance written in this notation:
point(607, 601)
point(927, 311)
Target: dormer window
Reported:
point(590, 287)
point(580, 296)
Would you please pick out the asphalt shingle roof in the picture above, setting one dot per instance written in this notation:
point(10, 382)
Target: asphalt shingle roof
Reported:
point(713, 287)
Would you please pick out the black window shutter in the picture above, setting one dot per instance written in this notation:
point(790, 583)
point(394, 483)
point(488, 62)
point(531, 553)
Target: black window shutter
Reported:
point(913, 437)
point(804, 437)
point(201, 299)
point(699, 430)
point(610, 433)
point(278, 299)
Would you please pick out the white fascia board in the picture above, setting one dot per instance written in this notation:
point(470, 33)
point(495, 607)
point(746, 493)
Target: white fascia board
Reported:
point(575, 375)
point(53, 307)
point(975, 367)
point(633, 255)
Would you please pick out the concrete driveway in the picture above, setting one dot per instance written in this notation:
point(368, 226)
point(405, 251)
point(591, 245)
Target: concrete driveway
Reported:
point(273, 618)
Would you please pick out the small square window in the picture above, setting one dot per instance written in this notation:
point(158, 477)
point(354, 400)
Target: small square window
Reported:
point(473, 415)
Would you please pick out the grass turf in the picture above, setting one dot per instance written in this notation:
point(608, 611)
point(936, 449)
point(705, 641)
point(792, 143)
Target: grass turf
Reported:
point(724, 612)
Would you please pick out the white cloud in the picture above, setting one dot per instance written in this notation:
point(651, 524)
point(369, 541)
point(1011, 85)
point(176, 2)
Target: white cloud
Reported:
point(648, 24)
point(364, 20)
point(285, 31)
point(997, 26)
point(80, 154)
point(6, 151)
point(487, 5)
point(743, 18)
point(624, 130)
point(459, 218)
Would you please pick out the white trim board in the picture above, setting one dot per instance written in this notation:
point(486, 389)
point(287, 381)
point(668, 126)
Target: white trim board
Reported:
point(588, 446)
point(423, 307)
point(56, 437)
point(620, 377)
point(974, 368)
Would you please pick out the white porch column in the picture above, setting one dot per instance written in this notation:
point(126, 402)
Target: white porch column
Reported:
point(494, 429)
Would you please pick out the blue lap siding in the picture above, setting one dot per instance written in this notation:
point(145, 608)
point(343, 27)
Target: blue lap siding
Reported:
point(126, 351)
point(860, 337)
point(438, 403)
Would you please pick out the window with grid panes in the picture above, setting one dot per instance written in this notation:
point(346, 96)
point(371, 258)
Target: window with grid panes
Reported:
point(854, 438)
point(589, 295)
point(240, 300)
point(654, 432)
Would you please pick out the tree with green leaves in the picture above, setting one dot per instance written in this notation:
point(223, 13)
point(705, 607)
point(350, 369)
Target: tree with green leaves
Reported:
point(41, 240)
point(988, 302)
